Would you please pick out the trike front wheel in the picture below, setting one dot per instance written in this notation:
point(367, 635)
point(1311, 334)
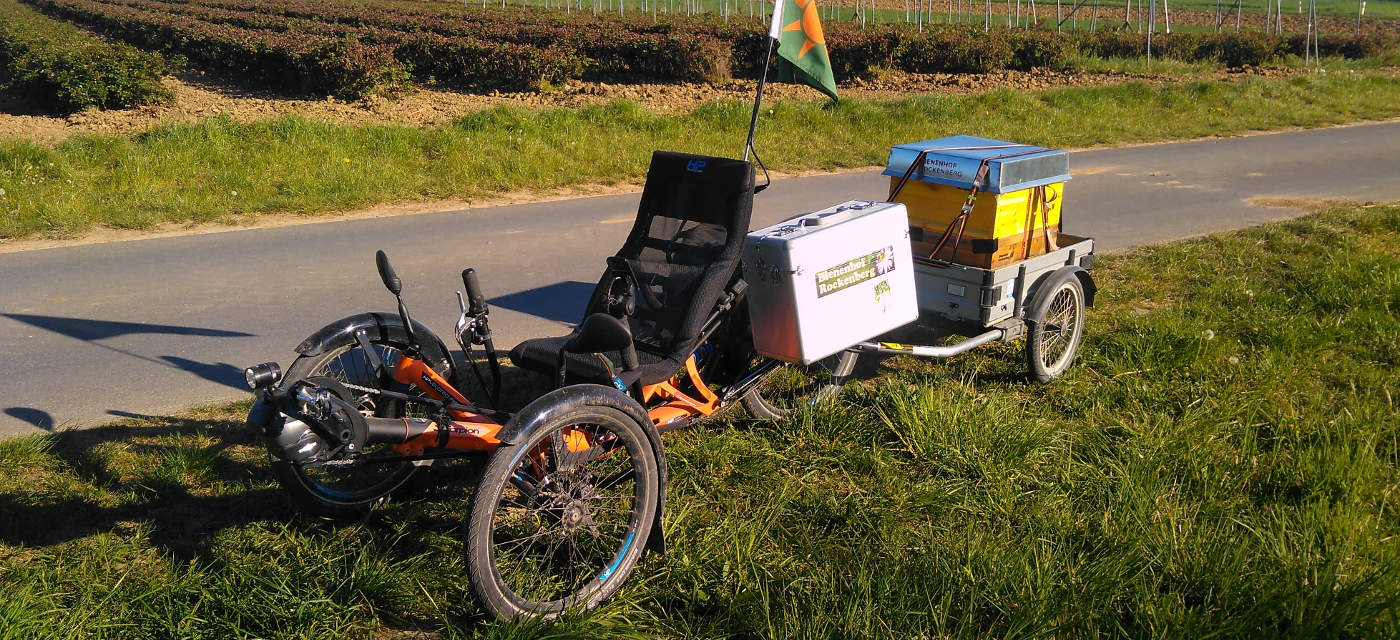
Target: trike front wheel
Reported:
point(347, 487)
point(560, 519)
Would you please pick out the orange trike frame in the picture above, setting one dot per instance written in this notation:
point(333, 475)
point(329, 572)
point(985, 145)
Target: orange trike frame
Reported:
point(670, 406)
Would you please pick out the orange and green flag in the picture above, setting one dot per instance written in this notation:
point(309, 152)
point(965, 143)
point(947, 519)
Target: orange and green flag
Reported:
point(802, 55)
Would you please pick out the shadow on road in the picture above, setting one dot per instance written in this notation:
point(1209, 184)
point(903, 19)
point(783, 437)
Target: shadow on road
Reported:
point(560, 302)
point(220, 372)
point(37, 417)
point(92, 331)
point(87, 329)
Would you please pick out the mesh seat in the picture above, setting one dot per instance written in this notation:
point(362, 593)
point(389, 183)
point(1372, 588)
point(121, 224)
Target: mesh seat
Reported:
point(682, 252)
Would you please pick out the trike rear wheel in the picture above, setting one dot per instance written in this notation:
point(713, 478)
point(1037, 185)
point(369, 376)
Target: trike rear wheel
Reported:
point(560, 519)
point(793, 387)
point(348, 487)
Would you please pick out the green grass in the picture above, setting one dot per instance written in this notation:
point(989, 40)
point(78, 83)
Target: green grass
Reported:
point(219, 169)
point(1097, 64)
point(1342, 8)
point(1221, 462)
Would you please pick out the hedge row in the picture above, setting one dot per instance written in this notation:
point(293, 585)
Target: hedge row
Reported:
point(60, 69)
point(283, 60)
point(326, 46)
point(350, 57)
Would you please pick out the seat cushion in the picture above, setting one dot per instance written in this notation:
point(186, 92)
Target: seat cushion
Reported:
point(542, 355)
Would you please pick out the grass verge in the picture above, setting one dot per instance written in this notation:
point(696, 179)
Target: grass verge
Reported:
point(1219, 463)
point(219, 169)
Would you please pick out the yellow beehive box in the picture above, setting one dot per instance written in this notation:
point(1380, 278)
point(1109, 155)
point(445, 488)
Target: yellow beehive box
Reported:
point(994, 216)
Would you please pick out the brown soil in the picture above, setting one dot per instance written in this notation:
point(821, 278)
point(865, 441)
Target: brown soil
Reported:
point(197, 98)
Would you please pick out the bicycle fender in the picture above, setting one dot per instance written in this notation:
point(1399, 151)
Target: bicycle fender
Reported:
point(569, 398)
point(1060, 275)
point(375, 324)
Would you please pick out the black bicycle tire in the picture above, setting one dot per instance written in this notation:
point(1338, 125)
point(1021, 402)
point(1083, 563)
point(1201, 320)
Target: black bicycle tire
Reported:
point(1036, 325)
point(486, 582)
point(314, 497)
point(763, 408)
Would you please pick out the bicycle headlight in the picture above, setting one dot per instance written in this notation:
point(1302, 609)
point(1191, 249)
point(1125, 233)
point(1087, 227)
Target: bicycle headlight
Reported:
point(262, 375)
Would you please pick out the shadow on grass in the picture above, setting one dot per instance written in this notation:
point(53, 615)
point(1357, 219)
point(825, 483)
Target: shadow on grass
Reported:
point(185, 479)
point(89, 496)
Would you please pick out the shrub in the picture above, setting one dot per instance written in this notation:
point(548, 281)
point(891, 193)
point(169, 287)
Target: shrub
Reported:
point(955, 50)
point(1032, 49)
point(1239, 49)
point(60, 69)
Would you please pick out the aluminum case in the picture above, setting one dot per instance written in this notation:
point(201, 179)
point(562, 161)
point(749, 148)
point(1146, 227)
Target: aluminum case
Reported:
point(821, 282)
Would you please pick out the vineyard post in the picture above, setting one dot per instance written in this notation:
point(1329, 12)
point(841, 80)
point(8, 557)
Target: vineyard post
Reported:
point(1058, 16)
point(987, 22)
point(1094, 19)
point(1151, 26)
point(1307, 40)
point(1167, 11)
point(1317, 46)
point(1359, 8)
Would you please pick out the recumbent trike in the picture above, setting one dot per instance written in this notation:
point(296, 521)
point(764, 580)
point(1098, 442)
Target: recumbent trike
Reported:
point(574, 484)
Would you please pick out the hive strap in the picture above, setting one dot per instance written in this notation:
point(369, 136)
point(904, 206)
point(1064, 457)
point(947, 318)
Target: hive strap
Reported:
point(1039, 201)
point(958, 224)
point(961, 219)
point(1046, 198)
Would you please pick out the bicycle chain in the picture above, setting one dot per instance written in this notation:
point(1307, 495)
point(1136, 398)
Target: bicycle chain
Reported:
point(356, 387)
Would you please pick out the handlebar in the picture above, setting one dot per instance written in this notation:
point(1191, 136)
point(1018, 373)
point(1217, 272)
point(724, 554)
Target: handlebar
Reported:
point(475, 299)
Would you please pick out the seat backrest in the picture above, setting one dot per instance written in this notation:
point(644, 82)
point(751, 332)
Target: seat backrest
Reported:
point(684, 247)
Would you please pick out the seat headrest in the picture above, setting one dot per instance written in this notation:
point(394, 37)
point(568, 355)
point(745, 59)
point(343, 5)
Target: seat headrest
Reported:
point(699, 188)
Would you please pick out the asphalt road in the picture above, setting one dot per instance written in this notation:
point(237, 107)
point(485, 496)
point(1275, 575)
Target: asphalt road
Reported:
point(93, 333)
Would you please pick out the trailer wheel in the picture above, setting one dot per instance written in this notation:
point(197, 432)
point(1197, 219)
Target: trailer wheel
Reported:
point(1055, 327)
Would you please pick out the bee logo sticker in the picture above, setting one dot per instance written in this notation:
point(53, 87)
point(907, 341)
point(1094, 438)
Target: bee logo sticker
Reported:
point(853, 272)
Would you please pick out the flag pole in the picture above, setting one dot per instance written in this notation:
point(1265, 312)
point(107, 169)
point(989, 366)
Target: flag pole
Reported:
point(758, 100)
point(763, 77)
